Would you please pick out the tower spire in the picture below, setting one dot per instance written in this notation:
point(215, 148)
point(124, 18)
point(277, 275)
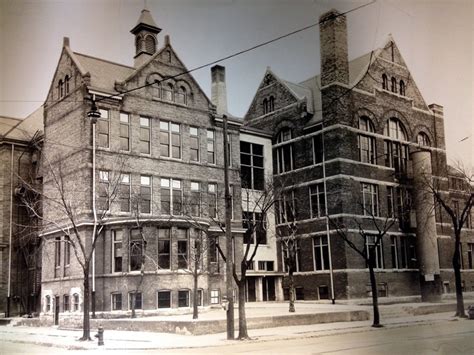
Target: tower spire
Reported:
point(145, 32)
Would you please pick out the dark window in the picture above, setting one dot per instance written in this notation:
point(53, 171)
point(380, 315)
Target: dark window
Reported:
point(116, 301)
point(136, 250)
point(67, 250)
point(170, 133)
point(124, 193)
point(66, 303)
point(211, 159)
point(286, 208)
point(321, 253)
point(365, 142)
point(150, 44)
point(318, 150)
point(265, 106)
point(57, 252)
point(66, 84)
point(251, 166)
point(103, 191)
point(390, 202)
point(194, 144)
point(317, 200)
point(182, 236)
point(145, 194)
point(271, 104)
point(117, 250)
point(285, 151)
point(164, 299)
point(470, 255)
point(164, 248)
point(384, 82)
point(60, 89)
point(135, 299)
point(375, 251)
point(124, 131)
point(394, 251)
point(181, 95)
point(394, 85)
point(255, 225)
point(75, 300)
point(183, 298)
point(402, 88)
point(423, 140)
point(103, 128)
point(195, 199)
point(171, 197)
point(370, 199)
point(144, 144)
point(212, 200)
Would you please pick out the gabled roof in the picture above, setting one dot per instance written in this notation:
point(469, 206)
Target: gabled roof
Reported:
point(103, 73)
point(22, 130)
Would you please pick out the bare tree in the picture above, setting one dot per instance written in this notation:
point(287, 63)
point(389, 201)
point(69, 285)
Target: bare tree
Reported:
point(61, 194)
point(366, 248)
point(457, 205)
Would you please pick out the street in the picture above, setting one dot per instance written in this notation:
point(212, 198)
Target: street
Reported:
point(446, 337)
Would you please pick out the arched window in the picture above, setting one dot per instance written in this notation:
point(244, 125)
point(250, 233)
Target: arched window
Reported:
point(394, 85)
point(150, 44)
point(265, 106)
point(402, 88)
point(423, 139)
point(66, 84)
point(366, 143)
point(395, 150)
point(60, 89)
point(181, 95)
point(384, 82)
point(168, 92)
point(271, 104)
point(138, 44)
point(285, 151)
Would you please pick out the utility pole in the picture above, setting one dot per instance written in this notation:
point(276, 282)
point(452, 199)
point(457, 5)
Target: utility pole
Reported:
point(228, 239)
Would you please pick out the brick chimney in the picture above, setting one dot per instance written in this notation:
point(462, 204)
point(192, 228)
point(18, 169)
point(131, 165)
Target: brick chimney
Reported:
point(218, 89)
point(333, 39)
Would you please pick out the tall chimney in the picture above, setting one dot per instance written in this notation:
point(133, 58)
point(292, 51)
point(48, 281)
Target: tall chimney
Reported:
point(333, 38)
point(218, 89)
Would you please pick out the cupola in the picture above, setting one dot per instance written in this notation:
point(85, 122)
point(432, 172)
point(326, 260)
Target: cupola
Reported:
point(146, 42)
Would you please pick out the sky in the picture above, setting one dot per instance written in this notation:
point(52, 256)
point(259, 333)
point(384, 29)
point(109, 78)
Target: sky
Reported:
point(436, 39)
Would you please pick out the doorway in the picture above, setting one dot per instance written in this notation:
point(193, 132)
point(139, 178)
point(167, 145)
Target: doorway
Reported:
point(269, 288)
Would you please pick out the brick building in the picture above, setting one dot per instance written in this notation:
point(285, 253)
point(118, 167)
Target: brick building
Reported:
point(159, 172)
point(350, 143)
point(20, 262)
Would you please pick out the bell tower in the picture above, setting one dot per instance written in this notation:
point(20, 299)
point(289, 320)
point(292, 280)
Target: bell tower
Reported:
point(146, 42)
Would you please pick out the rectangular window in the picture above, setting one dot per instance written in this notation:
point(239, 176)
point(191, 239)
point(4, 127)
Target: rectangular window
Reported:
point(136, 250)
point(164, 139)
point(182, 236)
point(57, 252)
point(164, 248)
point(403, 207)
point(229, 149)
point(213, 251)
point(370, 199)
point(117, 240)
point(289, 251)
point(390, 202)
point(193, 144)
point(284, 152)
point(170, 140)
point(211, 159)
point(103, 129)
point(66, 303)
point(195, 199)
point(145, 136)
point(183, 298)
point(251, 166)
point(116, 301)
point(67, 250)
point(317, 200)
point(255, 225)
point(318, 149)
point(164, 299)
point(394, 251)
point(377, 249)
point(366, 145)
point(124, 193)
point(135, 298)
point(404, 252)
point(286, 208)
point(215, 297)
point(171, 197)
point(321, 253)
point(124, 131)
point(212, 199)
point(396, 156)
point(75, 300)
point(200, 295)
point(145, 194)
point(103, 191)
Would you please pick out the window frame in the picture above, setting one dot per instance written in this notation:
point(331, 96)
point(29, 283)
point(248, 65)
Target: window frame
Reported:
point(164, 237)
point(116, 241)
point(135, 244)
point(253, 166)
point(285, 151)
point(124, 124)
point(318, 195)
point(145, 139)
point(195, 137)
point(187, 298)
point(320, 253)
point(379, 255)
point(135, 299)
point(102, 122)
point(366, 143)
point(146, 194)
point(370, 199)
point(170, 299)
point(211, 140)
point(114, 303)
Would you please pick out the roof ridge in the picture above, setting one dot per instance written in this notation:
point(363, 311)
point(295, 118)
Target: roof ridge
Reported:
point(104, 60)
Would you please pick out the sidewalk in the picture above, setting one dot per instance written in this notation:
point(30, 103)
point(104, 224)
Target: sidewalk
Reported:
point(127, 340)
point(391, 316)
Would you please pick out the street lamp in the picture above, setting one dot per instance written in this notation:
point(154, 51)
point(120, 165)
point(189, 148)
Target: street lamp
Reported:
point(94, 115)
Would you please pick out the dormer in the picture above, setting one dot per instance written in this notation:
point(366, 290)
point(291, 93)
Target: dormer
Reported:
point(146, 42)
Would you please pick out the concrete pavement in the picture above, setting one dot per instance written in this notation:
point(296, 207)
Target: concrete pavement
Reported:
point(117, 339)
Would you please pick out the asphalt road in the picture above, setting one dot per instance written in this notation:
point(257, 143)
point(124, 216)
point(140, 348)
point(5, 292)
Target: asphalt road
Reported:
point(447, 337)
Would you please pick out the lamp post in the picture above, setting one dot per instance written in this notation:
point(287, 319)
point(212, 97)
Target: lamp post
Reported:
point(94, 115)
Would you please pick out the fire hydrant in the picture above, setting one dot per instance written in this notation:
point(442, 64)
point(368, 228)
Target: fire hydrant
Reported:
point(100, 335)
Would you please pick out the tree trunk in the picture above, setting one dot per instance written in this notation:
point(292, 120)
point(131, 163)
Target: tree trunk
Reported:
point(195, 293)
point(243, 334)
point(86, 327)
point(457, 276)
point(292, 292)
point(375, 298)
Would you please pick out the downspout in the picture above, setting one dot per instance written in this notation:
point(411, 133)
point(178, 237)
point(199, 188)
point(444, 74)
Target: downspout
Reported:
point(10, 235)
point(328, 236)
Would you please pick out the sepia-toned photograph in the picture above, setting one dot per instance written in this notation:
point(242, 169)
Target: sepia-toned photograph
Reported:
point(237, 176)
